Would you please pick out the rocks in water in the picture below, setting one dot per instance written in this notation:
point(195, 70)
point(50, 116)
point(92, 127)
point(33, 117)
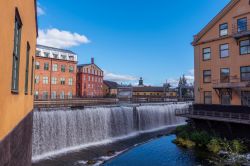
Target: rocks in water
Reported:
point(91, 162)
point(111, 153)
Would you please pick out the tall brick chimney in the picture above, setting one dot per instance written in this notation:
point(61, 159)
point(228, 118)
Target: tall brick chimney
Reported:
point(92, 61)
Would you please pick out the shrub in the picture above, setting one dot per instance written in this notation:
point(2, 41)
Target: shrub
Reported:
point(238, 146)
point(184, 143)
point(214, 146)
point(200, 138)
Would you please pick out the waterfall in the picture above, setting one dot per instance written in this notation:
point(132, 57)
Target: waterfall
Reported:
point(58, 131)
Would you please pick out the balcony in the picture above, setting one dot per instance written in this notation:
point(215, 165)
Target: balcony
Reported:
point(242, 30)
point(221, 113)
point(231, 82)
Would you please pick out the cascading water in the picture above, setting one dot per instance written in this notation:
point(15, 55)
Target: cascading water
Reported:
point(55, 132)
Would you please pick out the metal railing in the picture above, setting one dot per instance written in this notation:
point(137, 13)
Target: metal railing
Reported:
point(237, 117)
point(241, 29)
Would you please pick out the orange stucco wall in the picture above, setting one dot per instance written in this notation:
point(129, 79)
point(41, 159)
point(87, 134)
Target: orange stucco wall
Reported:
point(212, 39)
point(14, 107)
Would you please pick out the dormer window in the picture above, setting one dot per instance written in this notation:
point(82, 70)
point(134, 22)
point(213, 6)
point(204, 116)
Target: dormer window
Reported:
point(224, 29)
point(46, 54)
point(55, 56)
point(242, 24)
point(64, 57)
point(71, 58)
point(38, 53)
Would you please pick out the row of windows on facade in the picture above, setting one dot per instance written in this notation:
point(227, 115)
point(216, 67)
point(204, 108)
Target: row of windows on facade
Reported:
point(225, 98)
point(242, 26)
point(54, 67)
point(53, 80)
point(16, 58)
point(97, 86)
point(54, 55)
point(92, 71)
point(45, 95)
point(224, 50)
point(93, 79)
point(225, 75)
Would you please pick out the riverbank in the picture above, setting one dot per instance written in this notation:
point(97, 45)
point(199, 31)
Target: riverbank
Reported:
point(221, 151)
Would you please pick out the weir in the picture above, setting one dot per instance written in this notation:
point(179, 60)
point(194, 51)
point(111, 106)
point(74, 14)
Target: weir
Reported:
point(56, 132)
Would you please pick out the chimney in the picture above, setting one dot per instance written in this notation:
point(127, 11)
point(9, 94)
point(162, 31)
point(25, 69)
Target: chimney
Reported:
point(92, 61)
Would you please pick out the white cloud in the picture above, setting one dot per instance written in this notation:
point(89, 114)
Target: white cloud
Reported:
point(60, 38)
point(40, 10)
point(119, 78)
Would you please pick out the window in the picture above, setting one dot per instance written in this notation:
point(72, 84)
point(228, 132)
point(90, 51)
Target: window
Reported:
point(62, 81)
point(71, 69)
point(16, 53)
point(224, 50)
point(54, 67)
point(245, 73)
point(245, 98)
point(63, 68)
point(38, 53)
point(242, 24)
point(208, 97)
point(62, 95)
point(55, 56)
point(32, 76)
point(70, 95)
point(64, 57)
point(45, 95)
point(224, 75)
point(27, 68)
point(36, 95)
point(244, 47)
point(53, 95)
point(45, 80)
point(207, 76)
point(71, 58)
point(206, 53)
point(54, 80)
point(37, 65)
point(36, 79)
point(46, 66)
point(224, 29)
point(70, 81)
point(225, 98)
point(46, 54)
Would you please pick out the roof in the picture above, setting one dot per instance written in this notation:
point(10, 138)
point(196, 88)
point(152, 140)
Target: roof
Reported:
point(88, 64)
point(111, 84)
point(55, 49)
point(217, 18)
point(148, 89)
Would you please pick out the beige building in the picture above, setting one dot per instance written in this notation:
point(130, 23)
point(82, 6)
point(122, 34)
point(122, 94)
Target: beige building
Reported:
point(18, 34)
point(222, 57)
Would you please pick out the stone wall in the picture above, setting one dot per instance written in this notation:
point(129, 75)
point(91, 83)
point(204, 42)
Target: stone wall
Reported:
point(16, 148)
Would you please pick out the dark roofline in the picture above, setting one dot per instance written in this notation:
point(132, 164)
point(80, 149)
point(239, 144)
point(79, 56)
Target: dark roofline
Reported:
point(88, 64)
point(56, 49)
point(35, 4)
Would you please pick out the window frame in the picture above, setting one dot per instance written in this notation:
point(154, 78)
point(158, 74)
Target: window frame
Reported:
point(205, 97)
point(221, 75)
point(244, 46)
point(207, 76)
point(26, 83)
point(242, 73)
point(239, 31)
point(220, 29)
point(16, 52)
point(224, 50)
point(203, 53)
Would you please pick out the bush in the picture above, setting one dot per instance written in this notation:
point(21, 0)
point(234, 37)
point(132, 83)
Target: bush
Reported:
point(200, 138)
point(238, 147)
point(214, 146)
point(184, 143)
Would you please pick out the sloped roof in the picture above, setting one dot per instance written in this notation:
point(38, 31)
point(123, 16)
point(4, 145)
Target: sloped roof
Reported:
point(88, 64)
point(55, 49)
point(217, 18)
point(148, 89)
point(111, 84)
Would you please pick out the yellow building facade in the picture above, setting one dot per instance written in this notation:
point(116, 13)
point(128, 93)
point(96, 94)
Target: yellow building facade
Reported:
point(18, 34)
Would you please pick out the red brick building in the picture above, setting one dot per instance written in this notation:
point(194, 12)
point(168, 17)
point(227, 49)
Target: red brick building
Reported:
point(89, 80)
point(55, 73)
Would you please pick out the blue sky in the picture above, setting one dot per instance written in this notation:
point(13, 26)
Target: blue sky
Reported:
point(129, 38)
